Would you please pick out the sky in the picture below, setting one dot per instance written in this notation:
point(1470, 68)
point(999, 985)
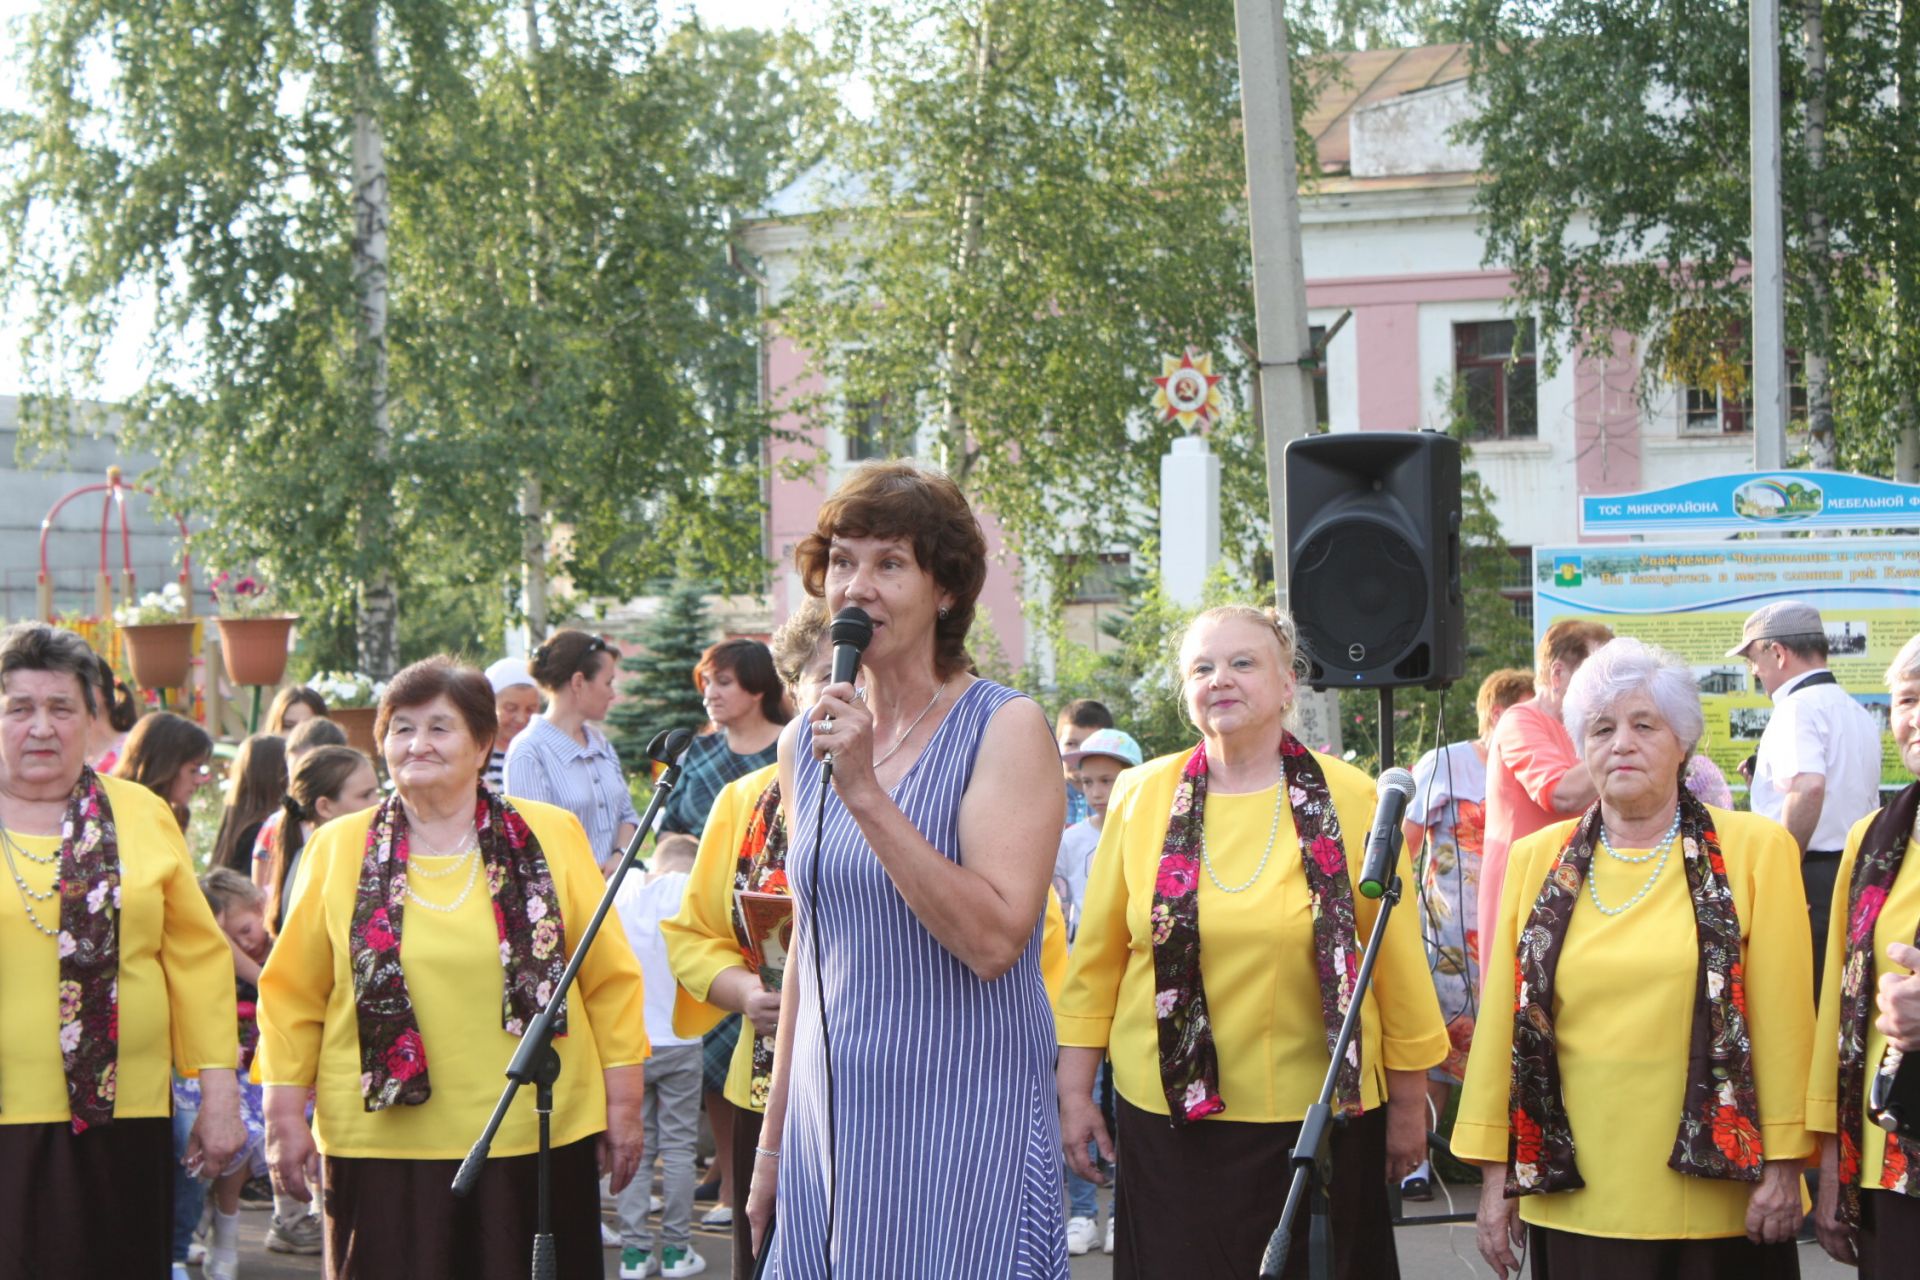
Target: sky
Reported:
point(125, 355)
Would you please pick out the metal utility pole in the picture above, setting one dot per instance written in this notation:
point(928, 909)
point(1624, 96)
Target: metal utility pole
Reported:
point(1279, 280)
point(1769, 240)
point(1281, 335)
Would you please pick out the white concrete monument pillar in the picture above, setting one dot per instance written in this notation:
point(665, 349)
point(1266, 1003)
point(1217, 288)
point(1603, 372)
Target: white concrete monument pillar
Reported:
point(1189, 519)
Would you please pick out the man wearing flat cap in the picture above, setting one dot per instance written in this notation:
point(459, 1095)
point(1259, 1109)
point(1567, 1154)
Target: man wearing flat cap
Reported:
point(1817, 771)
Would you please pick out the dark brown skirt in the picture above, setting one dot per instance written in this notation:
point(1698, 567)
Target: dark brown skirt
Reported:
point(1889, 1235)
point(1565, 1255)
point(1199, 1202)
point(398, 1219)
point(746, 1136)
point(98, 1203)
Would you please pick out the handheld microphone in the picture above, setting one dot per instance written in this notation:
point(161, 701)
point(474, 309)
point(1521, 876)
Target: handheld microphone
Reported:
point(1383, 841)
point(851, 632)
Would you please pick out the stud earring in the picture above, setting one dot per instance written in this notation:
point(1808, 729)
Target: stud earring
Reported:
point(943, 613)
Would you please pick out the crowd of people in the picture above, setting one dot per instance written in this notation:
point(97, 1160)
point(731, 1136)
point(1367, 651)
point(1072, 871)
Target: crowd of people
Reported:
point(933, 970)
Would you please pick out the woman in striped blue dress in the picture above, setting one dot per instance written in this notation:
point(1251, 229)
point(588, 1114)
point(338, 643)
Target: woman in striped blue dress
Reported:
point(912, 1130)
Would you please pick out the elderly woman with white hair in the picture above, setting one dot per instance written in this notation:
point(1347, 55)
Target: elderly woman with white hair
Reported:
point(1636, 1109)
point(1868, 1213)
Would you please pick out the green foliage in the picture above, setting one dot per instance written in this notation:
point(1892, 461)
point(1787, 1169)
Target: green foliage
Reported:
point(1615, 140)
point(1046, 198)
point(562, 308)
point(1139, 681)
point(661, 694)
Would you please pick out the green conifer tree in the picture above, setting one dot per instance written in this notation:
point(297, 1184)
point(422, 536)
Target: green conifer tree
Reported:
point(661, 694)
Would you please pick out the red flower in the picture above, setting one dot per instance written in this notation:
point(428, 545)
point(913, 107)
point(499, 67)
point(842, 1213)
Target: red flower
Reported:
point(1526, 1138)
point(379, 933)
point(1893, 1166)
point(1332, 859)
point(1736, 1137)
point(1739, 983)
point(1290, 746)
point(1865, 912)
point(406, 1056)
point(1177, 877)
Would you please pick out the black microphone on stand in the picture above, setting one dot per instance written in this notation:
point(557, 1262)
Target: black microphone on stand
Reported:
point(1893, 1102)
point(535, 1061)
point(850, 634)
point(1395, 789)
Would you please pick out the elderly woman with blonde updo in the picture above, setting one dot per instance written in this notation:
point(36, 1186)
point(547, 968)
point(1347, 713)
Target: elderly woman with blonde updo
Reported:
point(1218, 953)
point(1631, 1094)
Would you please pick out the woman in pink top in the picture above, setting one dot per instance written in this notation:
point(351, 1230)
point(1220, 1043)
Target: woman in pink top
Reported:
point(1534, 776)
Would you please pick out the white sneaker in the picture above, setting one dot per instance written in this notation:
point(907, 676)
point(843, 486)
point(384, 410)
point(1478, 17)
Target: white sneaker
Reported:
point(1081, 1233)
point(609, 1238)
point(1108, 1246)
point(675, 1261)
point(196, 1254)
point(719, 1216)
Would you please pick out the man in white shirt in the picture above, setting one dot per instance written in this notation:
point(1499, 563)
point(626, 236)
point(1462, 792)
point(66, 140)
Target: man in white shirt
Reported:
point(1817, 771)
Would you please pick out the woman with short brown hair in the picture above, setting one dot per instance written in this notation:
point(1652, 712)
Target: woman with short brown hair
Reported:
point(920, 876)
point(115, 977)
point(426, 934)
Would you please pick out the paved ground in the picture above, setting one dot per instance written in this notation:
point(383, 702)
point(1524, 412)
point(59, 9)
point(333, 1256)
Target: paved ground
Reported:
point(1425, 1251)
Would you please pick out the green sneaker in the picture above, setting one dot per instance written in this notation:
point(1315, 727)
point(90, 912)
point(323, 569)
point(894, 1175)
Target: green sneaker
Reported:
point(637, 1264)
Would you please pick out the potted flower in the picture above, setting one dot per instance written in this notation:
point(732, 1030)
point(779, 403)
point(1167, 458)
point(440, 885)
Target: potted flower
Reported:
point(253, 632)
point(352, 700)
point(159, 638)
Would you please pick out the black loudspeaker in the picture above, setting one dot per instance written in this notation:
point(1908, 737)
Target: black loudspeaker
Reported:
point(1373, 558)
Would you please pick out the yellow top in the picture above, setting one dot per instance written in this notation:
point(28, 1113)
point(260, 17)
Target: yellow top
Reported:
point(309, 1035)
point(1623, 1014)
point(1053, 948)
point(1896, 924)
point(701, 944)
point(176, 973)
point(1256, 953)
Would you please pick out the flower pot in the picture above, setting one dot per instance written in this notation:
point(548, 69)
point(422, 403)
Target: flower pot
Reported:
point(160, 653)
point(357, 722)
point(255, 649)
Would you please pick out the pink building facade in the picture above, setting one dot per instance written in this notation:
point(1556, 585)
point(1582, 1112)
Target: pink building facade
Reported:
point(1389, 235)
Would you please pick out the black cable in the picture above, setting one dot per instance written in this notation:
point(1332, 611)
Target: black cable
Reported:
point(820, 995)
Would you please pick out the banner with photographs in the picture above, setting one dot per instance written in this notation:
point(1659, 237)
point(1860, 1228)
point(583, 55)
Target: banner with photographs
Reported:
point(1693, 598)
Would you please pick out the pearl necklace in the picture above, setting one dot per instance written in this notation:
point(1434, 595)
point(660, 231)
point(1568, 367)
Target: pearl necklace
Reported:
point(1273, 833)
point(1662, 851)
point(28, 895)
point(472, 861)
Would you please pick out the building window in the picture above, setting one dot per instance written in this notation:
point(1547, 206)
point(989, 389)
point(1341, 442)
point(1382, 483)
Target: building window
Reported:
point(1498, 379)
point(1709, 411)
point(872, 431)
point(1316, 339)
point(1102, 578)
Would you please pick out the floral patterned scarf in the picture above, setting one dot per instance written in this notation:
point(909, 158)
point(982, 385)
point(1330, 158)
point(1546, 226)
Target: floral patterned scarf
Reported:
point(762, 868)
point(1875, 868)
point(526, 913)
point(1719, 1135)
point(1189, 1064)
point(88, 887)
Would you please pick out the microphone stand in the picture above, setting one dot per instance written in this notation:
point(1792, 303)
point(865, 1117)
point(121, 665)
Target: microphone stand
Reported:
point(535, 1061)
point(1312, 1157)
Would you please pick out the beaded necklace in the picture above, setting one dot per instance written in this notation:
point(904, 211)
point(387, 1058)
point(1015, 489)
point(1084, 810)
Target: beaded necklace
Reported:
point(1661, 851)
